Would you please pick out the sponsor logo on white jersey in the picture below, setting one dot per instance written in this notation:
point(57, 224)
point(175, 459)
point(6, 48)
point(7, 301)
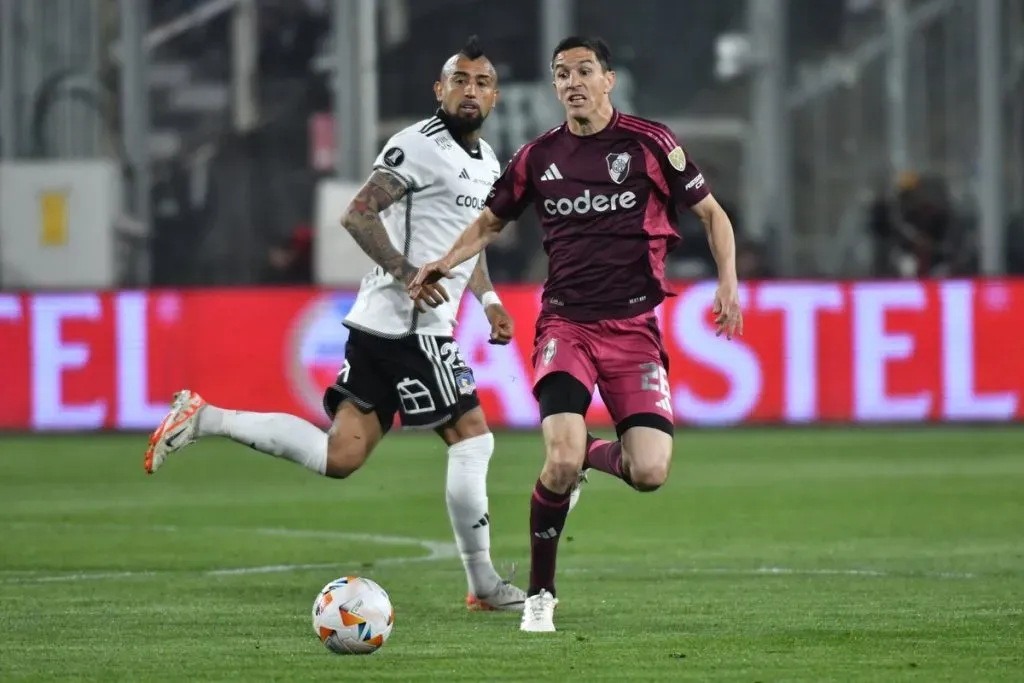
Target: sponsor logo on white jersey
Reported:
point(470, 202)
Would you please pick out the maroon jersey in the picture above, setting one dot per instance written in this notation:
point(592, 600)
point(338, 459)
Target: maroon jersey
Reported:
point(608, 204)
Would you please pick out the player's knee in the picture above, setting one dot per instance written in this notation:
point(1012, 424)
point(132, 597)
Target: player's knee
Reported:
point(564, 459)
point(648, 468)
point(345, 455)
point(344, 461)
point(469, 425)
point(560, 475)
point(650, 475)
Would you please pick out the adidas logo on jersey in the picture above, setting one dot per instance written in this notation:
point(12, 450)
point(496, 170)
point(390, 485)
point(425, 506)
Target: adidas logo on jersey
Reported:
point(464, 175)
point(552, 173)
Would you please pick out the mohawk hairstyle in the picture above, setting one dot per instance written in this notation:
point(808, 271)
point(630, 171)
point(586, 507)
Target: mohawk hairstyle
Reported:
point(472, 49)
point(592, 43)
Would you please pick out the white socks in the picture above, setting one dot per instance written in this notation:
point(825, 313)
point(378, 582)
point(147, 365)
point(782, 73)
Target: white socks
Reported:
point(466, 496)
point(278, 434)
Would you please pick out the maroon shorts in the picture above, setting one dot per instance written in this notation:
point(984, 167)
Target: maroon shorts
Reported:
point(624, 359)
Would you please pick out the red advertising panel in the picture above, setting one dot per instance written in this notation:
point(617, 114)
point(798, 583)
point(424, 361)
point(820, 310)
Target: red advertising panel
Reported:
point(813, 351)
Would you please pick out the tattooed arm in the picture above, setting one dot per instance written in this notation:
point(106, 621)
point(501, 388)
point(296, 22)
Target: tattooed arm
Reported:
point(502, 326)
point(362, 220)
point(480, 281)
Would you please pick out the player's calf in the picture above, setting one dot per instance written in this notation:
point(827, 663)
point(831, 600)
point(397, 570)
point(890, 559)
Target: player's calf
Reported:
point(563, 403)
point(565, 436)
point(565, 439)
point(470, 447)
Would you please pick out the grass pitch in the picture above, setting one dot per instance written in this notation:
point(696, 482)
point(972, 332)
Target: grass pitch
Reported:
point(770, 556)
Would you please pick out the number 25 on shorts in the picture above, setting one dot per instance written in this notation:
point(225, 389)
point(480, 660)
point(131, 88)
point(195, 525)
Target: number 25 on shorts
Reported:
point(655, 378)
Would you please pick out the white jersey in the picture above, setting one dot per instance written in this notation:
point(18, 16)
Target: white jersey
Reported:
point(447, 187)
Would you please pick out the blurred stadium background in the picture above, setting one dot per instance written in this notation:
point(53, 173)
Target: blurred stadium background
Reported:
point(155, 153)
point(171, 177)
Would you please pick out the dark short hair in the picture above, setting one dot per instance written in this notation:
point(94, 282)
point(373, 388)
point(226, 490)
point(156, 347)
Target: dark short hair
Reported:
point(472, 50)
point(592, 43)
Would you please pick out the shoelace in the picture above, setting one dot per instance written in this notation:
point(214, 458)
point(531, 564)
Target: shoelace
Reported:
point(511, 575)
point(536, 608)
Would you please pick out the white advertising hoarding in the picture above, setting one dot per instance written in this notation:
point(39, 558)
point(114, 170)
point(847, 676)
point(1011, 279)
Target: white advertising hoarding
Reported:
point(337, 260)
point(57, 224)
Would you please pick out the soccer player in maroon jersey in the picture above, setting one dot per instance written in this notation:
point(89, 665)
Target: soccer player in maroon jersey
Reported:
point(607, 187)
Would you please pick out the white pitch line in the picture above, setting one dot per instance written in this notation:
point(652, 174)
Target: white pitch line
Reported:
point(793, 571)
point(866, 572)
point(380, 539)
point(435, 550)
point(81, 576)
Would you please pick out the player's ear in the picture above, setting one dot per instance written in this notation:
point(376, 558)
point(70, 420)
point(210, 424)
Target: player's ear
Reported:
point(609, 79)
point(438, 91)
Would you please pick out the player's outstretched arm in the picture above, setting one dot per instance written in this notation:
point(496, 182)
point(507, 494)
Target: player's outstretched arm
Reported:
point(480, 280)
point(473, 240)
point(722, 238)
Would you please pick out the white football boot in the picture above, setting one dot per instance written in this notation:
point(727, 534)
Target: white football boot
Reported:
point(176, 431)
point(574, 492)
point(504, 598)
point(539, 613)
point(581, 477)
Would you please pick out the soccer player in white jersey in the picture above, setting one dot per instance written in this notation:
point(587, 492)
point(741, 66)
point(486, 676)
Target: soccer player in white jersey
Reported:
point(428, 181)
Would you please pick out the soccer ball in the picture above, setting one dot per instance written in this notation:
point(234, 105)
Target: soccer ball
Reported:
point(353, 616)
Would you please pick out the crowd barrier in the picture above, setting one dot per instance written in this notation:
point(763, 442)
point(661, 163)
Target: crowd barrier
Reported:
point(833, 352)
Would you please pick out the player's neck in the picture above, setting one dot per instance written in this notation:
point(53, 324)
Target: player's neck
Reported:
point(471, 141)
point(468, 139)
point(592, 124)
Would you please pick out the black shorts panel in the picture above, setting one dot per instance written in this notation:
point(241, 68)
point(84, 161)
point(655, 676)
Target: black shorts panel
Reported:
point(423, 378)
point(560, 392)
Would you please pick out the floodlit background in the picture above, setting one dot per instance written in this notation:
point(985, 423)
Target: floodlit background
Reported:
point(172, 173)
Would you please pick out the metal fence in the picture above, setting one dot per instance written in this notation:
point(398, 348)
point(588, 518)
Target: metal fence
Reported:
point(53, 102)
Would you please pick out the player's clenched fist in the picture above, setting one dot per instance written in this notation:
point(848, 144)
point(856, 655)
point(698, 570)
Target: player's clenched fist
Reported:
point(502, 327)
